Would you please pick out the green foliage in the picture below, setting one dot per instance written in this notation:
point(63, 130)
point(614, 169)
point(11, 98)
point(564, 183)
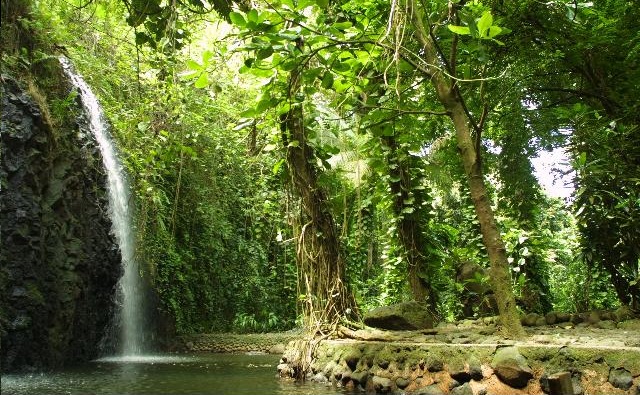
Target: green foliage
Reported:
point(608, 206)
point(480, 24)
point(199, 130)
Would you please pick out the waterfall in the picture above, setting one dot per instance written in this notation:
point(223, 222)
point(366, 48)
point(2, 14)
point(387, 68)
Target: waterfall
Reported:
point(130, 293)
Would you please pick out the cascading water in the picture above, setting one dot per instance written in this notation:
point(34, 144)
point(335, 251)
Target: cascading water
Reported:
point(130, 286)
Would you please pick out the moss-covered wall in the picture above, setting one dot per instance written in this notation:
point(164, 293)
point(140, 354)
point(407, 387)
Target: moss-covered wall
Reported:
point(59, 261)
point(440, 368)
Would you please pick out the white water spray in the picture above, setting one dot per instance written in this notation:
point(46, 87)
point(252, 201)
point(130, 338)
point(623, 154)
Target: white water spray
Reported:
point(130, 285)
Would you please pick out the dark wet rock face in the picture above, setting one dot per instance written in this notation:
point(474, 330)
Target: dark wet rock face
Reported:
point(59, 262)
point(401, 316)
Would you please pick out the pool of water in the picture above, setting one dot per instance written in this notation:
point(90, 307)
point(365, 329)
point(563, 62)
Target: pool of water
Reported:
point(215, 374)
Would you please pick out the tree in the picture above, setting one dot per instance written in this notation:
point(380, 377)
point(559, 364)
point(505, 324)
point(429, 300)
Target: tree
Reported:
point(327, 298)
point(343, 49)
point(448, 93)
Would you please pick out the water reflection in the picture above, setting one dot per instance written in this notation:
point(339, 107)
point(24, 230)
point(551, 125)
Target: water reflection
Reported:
point(218, 374)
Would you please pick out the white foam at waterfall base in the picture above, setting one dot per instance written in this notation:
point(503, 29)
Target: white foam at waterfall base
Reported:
point(130, 284)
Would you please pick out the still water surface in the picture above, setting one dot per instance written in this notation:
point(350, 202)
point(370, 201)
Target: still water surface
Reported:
point(215, 374)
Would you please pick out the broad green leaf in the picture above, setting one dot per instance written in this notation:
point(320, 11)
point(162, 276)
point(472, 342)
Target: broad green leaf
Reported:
point(252, 16)
point(322, 3)
point(206, 57)
point(290, 65)
point(330, 149)
point(248, 113)
point(342, 25)
point(310, 75)
point(341, 85)
point(193, 65)
point(263, 105)
point(494, 31)
point(202, 81)
point(582, 159)
point(237, 19)
point(189, 75)
point(302, 4)
point(462, 30)
point(341, 67)
point(327, 80)
point(142, 38)
point(264, 53)
point(484, 23)
point(278, 165)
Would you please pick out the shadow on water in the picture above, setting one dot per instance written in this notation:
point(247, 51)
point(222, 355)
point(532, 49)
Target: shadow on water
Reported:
point(218, 374)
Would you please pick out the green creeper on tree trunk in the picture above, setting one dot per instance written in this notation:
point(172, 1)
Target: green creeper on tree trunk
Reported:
point(409, 221)
point(321, 265)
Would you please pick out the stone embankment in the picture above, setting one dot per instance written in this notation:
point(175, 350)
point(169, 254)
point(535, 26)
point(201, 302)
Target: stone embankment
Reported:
point(470, 357)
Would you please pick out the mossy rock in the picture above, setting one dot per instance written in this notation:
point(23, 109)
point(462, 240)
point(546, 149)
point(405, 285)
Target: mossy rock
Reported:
point(402, 316)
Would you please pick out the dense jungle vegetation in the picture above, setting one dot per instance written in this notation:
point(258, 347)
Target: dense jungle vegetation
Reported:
point(298, 162)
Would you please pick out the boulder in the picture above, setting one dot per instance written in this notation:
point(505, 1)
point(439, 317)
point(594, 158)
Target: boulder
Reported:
point(630, 325)
point(551, 318)
point(475, 368)
point(352, 358)
point(433, 389)
point(620, 378)
point(464, 389)
point(622, 313)
point(360, 377)
point(591, 317)
point(435, 365)
point(458, 372)
point(382, 384)
point(277, 349)
point(608, 324)
point(511, 367)
point(477, 297)
point(402, 382)
point(530, 319)
point(562, 317)
point(319, 378)
point(401, 316)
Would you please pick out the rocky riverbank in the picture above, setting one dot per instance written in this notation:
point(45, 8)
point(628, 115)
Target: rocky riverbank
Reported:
point(470, 357)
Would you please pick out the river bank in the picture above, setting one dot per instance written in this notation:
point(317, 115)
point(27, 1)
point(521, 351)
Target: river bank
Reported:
point(471, 358)
point(468, 357)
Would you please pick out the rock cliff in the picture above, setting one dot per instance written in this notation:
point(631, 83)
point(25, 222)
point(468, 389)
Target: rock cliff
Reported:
point(59, 262)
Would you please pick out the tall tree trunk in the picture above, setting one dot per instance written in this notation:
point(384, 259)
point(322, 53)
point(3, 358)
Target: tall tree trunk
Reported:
point(321, 265)
point(410, 230)
point(449, 97)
